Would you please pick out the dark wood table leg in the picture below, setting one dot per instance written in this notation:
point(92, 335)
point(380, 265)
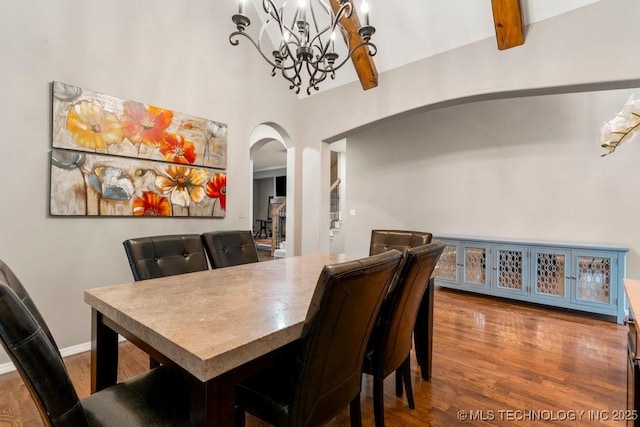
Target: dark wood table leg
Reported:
point(104, 353)
point(212, 401)
point(423, 332)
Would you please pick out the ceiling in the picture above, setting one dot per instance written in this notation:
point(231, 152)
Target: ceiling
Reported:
point(410, 30)
point(273, 155)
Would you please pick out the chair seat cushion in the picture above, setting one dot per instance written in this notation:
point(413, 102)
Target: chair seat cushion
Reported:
point(154, 398)
point(268, 395)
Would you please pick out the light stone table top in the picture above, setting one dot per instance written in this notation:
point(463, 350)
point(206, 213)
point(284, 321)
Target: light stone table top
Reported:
point(632, 289)
point(212, 321)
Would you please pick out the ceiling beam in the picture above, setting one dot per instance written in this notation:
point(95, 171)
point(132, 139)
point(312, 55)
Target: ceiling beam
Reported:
point(362, 61)
point(507, 18)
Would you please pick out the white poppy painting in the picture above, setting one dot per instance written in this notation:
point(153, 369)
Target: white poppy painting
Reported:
point(84, 184)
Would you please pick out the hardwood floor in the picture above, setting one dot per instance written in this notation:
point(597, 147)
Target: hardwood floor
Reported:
point(500, 362)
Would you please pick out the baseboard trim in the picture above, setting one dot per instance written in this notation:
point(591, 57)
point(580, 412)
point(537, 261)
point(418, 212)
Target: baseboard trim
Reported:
point(5, 368)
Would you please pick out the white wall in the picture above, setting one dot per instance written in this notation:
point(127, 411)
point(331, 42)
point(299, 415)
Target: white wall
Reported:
point(522, 168)
point(162, 52)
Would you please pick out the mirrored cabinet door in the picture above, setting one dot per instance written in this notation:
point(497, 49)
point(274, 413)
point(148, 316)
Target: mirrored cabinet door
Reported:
point(594, 276)
point(448, 263)
point(474, 264)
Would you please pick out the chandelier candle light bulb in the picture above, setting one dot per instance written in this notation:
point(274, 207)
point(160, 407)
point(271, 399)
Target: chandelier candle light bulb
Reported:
point(303, 10)
point(365, 12)
point(313, 51)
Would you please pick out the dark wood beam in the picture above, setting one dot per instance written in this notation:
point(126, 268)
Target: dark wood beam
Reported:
point(507, 18)
point(362, 61)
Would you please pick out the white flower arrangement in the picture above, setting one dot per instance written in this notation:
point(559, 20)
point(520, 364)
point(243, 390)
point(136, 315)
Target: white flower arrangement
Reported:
point(622, 128)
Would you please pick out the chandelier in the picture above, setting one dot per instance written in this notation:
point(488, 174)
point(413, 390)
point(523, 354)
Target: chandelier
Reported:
point(307, 43)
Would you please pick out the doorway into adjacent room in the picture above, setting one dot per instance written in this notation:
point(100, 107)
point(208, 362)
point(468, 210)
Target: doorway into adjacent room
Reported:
point(337, 196)
point(269, 190)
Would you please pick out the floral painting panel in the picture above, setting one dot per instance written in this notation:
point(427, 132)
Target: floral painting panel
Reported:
point(84, 184)
point(90, 121)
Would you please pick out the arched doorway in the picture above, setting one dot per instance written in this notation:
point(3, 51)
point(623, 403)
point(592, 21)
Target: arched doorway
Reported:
point(271, 164)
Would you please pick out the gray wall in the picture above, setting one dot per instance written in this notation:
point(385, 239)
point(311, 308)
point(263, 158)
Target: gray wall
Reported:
point(522, 168)
point(161, 52)
point(591, 48)
point(165, 53)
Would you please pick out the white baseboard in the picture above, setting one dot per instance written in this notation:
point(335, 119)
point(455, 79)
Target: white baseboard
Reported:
point(80, 348)
point(5, 368)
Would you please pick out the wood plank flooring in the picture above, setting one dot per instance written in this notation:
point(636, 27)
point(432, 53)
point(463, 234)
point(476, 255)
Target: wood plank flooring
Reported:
point(500, 362)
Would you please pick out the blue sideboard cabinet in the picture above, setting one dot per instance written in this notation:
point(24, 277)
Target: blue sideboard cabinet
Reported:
point(576, 276)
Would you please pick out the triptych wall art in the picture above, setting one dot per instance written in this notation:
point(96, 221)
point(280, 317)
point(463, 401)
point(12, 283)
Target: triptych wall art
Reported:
point(113, 157)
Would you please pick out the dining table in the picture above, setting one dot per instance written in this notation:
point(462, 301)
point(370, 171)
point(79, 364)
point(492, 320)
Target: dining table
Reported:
point(216, 327)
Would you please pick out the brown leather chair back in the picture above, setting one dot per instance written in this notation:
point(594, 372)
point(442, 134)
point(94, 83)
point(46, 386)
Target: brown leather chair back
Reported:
point(338, 325)
point(160, 256)
point(392, 337)
point(228, 248)
point(10, 279)
point(383, 240)
point(38, 361)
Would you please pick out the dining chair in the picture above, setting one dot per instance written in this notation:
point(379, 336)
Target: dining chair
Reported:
point(390, 343)
point(157, 397)
point(161, 256)
point(321, 372)
point(8, 277)
point(383, 240)
point(402, 240)
point(230, 247)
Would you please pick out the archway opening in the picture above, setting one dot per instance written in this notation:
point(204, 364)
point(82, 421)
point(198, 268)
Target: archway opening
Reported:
point(271, 195)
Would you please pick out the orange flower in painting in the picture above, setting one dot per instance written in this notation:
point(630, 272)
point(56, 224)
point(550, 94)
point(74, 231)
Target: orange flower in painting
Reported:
point(145, 125)
point(151, 204)
point(93, 127)
point(176, 149)
point(217, 189)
